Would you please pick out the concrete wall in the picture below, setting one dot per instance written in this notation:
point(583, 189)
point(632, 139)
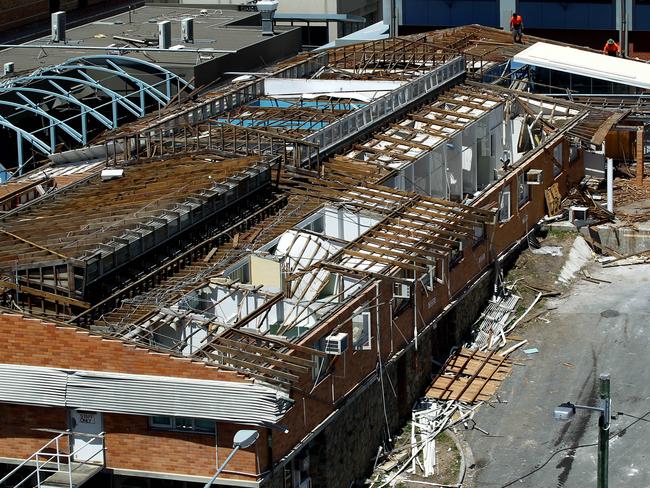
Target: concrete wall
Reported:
point(283, 45)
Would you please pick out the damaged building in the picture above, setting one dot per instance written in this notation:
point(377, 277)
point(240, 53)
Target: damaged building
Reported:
point(283, 254)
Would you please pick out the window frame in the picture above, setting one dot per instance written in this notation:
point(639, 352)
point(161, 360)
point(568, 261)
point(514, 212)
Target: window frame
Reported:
point(362, 312)
point(524, 189)
point(506, 190)
point(173, 427)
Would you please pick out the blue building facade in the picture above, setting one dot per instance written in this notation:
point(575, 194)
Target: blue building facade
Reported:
point(585, 15)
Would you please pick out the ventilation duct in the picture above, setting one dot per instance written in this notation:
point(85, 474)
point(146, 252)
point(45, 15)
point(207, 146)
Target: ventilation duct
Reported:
point(187, 30)
point(267, 9)
point(58, 26)
point(164, 34)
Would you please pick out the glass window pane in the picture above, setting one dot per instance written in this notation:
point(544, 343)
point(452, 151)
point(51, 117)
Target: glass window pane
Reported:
point(204, 425)
point(183, 423)
point(161, 421)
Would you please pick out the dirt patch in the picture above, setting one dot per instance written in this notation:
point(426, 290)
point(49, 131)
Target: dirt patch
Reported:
point(532, 273)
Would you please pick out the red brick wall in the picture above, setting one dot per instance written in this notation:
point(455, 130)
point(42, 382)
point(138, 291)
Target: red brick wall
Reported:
point(14, 13)
point(18, 439)
point(36, 343)
point(132, 444)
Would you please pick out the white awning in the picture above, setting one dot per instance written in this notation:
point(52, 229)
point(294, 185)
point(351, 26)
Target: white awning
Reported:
point(30, 385)
point(585, 63)
point(227, 401)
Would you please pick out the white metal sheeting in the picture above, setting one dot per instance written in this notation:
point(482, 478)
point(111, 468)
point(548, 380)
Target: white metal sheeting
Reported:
point(586, 63)
point(32, 385)
point(141, 394)
point(363, 90)
point(149, 395)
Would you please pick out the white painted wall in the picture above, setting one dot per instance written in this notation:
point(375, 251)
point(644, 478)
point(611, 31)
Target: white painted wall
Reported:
point(453, 150)
point(469, 160)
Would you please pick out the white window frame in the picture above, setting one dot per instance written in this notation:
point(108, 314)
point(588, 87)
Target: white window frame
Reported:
point(172, 426)
point(505, 203)
point(524, 190)
point(364, 341)
point(558, 162)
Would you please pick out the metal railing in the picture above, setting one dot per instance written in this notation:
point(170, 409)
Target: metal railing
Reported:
point(385, 106)
point(52, 458)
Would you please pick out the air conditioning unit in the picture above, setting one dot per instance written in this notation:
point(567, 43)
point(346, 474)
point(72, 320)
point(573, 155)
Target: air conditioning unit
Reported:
point(164, 34)
point(111, 174)
point(401, 290)
point(534, 177)
point(187, 30)
point(58, 26)
point(336, 343)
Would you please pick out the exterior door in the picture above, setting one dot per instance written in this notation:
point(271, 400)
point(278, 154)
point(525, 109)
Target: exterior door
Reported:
point(83, 446)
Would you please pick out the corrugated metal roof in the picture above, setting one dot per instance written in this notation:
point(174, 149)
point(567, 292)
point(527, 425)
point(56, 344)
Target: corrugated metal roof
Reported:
point(230, 401)
point(149, 395)
point(32, 385)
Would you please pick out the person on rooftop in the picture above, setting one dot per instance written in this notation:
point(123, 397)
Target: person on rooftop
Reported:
point(611, 48)
point(516, 27)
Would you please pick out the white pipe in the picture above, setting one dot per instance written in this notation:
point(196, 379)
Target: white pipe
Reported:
point(610, 185)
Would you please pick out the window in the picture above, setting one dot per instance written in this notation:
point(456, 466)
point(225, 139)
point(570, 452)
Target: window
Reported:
point(321, 363)
point(504, 205)
point(161, 422)
point(479, 234)
point(361, 330)
point(558, 158)
point(428, 279)
point(456, 256)
point(524, 190)
point(317, 225)
point(182, 424)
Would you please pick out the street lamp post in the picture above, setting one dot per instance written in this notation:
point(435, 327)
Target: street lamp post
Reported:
point(566, 410)
point(242, 440)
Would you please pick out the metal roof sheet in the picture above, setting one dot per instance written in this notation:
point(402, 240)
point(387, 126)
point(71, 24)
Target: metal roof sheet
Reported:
point(586, 63)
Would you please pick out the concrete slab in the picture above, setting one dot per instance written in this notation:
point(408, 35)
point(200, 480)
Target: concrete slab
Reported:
point(80, 474)
point(598, 328)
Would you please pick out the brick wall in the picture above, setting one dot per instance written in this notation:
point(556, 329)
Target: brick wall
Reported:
point(36, 343)
point(18, 437)
point(14, 13)
point(132, 444)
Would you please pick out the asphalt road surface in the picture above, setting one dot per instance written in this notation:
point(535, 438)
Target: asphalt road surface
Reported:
point(598, 328)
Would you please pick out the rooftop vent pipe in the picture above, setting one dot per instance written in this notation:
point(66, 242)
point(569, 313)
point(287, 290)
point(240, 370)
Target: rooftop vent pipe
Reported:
point(267, 9)
point(58, 26)
point(187, 30)
point(164, 34)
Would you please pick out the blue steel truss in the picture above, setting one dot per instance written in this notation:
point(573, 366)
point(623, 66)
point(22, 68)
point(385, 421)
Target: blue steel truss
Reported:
point(28, 98)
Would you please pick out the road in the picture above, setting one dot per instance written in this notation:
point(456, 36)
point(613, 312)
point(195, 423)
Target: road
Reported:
point(598, 328)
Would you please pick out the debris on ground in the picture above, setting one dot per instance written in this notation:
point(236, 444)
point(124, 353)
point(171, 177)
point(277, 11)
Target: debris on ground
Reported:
point(550, 250)
point(473, 373)
point(579, 256)
point(490, 327)
point(470, 376)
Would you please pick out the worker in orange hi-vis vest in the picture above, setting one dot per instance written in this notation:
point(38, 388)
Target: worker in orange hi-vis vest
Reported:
point(516, 27)
point(611, 48)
